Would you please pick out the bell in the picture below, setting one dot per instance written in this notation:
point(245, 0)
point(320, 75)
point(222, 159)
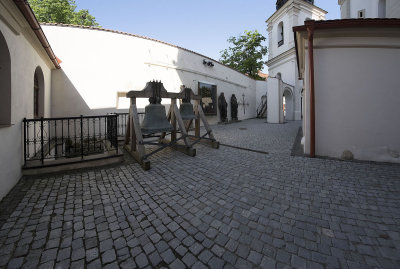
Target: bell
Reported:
point(155, 120)
point(187, 112)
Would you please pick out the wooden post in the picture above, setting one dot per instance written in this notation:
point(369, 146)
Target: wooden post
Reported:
point(197, 121)
point(214, 143)
point(128, 129)
point(173, 119)
point(136, 148)
point(132, 129)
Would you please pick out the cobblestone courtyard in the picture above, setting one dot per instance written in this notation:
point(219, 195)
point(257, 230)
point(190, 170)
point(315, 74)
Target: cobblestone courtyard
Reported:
point(225, 208)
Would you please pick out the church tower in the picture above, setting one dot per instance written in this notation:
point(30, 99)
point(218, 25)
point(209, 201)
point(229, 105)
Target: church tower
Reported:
point(282, 62)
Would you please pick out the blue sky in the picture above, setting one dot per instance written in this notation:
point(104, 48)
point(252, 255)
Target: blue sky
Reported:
point(202, 26)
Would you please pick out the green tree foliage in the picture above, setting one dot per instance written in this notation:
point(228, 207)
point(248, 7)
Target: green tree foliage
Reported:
point(246, 54)
point(61, 11)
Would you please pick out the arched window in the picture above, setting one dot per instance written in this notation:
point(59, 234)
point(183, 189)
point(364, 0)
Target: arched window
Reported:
point(36, 96)
point(382, 9)
point(5, 82)
point(38, 93)
point(280, 34)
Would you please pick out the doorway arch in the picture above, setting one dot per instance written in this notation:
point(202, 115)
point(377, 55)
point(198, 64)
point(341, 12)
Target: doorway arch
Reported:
point(38, 93)
point(5, 82)
point(288, 104)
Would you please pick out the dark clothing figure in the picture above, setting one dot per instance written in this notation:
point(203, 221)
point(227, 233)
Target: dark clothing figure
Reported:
point(234, 107)
point(223, 107)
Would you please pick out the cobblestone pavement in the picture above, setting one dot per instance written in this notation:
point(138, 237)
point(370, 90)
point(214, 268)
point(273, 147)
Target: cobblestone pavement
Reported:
point(225, 208)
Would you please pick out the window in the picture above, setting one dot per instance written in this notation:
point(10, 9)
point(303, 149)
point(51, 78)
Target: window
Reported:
point(36, 97)
point(38, 93)
point(382, 9)
point(280, 34)
point(208, 100)
point(5, 83)
point(361, 14)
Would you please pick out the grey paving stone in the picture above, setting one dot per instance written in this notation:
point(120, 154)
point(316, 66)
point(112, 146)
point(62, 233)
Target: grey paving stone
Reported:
point(298, 262)
point(141, 260)
point(78, 254)
point(205, 256)
point(155, 258)
point(216, 263)
point(65, 264)
point(254, 257)
point(189, 259)
point(168, 256)
point(94, 264)
point(48, 255)
point(15, 263)
point(108, 256)
point(92, 254)
point(128, 264)
point(177, 264)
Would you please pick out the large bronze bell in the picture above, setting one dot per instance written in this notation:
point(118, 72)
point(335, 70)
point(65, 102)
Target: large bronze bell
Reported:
point(187, 112)
point(155, 120)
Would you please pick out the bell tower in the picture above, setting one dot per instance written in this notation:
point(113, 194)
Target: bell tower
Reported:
point(282, 62)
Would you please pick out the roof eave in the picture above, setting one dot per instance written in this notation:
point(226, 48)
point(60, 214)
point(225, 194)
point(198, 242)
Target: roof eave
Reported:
point(27, 12)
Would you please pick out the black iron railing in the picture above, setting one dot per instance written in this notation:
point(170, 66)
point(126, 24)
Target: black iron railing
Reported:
point(47, 139)
point(122, 119)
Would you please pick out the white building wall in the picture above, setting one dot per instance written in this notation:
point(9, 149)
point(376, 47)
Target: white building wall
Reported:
point(356, 101)
point(26, 55)
point(273, 100)
point(392, 8)
point(350, 8)
point(104, 63)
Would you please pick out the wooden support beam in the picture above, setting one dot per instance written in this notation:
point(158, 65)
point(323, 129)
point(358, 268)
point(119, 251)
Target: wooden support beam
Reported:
point(180, 123)
point(185, 150)
point(205, 123)
point(144, 163)
point(197, 121)
point(173, 119)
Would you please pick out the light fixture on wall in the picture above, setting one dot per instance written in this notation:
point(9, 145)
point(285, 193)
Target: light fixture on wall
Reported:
point(208, 63)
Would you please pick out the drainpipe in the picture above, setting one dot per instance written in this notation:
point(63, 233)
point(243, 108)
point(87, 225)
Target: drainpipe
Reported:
point(310, 30)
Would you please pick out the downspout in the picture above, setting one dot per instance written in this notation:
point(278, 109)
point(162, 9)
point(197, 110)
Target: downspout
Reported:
point(310, 30)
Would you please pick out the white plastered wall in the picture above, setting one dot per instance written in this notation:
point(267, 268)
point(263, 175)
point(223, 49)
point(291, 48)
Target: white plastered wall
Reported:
point(26, 54)
point(350, 8)
point(104, 63)
point(357, 101)
point(273, 100)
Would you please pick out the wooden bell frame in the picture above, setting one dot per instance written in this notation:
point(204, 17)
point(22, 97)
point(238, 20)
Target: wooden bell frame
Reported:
point(135, 141)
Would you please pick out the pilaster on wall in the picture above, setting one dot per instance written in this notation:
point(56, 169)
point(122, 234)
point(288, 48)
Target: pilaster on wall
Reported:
point(270, 29)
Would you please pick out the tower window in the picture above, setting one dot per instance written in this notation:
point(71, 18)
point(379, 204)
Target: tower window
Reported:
point(361, 14)
point(382, 9)
point(280, 34)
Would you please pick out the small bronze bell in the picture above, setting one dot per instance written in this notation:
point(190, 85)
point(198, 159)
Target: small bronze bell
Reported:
point(186, 108)
point(187, 112)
